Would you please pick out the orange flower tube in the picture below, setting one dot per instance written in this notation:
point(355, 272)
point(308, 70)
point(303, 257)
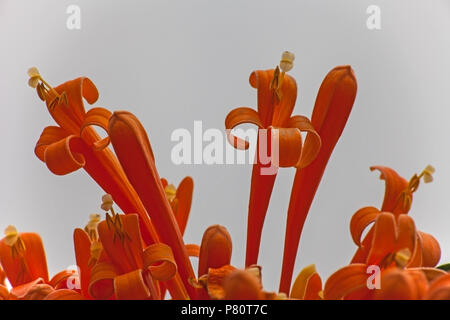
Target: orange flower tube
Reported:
point(135, 154)
point(332, 108)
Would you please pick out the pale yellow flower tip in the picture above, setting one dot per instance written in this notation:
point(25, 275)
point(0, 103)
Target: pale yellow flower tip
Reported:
point(171, 192)
point(33, 72)
point(402, 257)
point(428, 174)
point(34, 75)
point(287, 61)
point(107, 202)
point(11, 236)
point(94, 219)
point(33, 82)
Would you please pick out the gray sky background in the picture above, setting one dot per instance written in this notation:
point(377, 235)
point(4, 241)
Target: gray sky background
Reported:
point(174, 62)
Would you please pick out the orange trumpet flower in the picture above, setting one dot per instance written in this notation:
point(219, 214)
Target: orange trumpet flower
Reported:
point(332, 108)
point(405, 256)
point(277, 94)
point(23, 259)
point(75, 144)
point(135, 154)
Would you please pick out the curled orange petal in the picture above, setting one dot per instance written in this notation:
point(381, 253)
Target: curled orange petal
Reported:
point(59, 280)
point(360, 220)
point(101, 285)
point(158, 258)
point(49, 136)
point(131, 286)
point(313, 142)
point(345, 281)
point(235, 118)
point(97, 117)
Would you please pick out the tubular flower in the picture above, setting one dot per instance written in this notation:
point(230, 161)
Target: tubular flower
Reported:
point(75, 144)
point(397, 200)
point(131, 144)
point(23, 260)
point(277, 94)
point(333, 105)
point(218, 280)
point(114, 264)
point(404, 255)
point(180, 200)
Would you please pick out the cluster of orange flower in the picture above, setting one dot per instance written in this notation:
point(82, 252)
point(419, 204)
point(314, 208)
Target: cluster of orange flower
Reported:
point(141, 254)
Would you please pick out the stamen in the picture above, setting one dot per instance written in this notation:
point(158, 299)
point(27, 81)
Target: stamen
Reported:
point(114, 220)
point(107, 202)
point(91, 227)
point(13, 240)
point(11, 236)
point(426, 175)
point(171, 192)
point(402, 257)
point(43, 89)
point(286, 65)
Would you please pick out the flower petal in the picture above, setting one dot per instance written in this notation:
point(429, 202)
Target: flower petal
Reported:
point(71, 117)
point(158, 258)
point(131, 286)
point(49, 136)
point(101, 285)
point(126, 253)
point(215, 250)
point(331, 111)
point(26, 266)
point(360, 220)
point(184, 200)
point(391, 236)
point(439, 289)
point(242, 285)
point(397, 284)
point(345, 281)
point(431, 251)
point(395, 186)
point(313, 142)
point(215, 281)
point(133, 149)
point(97, 117)
point(60, 157)
point(240, 116)
point(307, 285)
point(82, 245)
point(64, 294)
